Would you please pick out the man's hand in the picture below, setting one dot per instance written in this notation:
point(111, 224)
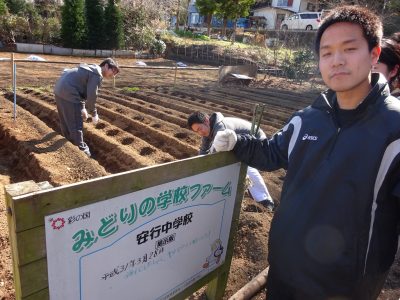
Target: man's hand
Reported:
point(224, 140)
point(95, 119)
point(85, 115)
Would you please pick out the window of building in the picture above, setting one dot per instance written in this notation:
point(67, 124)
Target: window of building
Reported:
point(286, 3)
point(194, 18)
point(311, 6)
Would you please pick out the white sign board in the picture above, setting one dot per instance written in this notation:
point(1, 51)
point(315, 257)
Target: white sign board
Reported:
point(149, 244)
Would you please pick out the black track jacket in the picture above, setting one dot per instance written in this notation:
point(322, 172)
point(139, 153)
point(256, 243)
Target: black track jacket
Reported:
point(334, 234)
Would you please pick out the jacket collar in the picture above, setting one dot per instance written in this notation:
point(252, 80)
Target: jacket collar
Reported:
point(96, 69)
point(327, 99)
point(215, 118)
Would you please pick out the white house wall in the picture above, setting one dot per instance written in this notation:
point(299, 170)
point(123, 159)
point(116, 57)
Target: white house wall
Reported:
point(269, 13)
point(303, 6)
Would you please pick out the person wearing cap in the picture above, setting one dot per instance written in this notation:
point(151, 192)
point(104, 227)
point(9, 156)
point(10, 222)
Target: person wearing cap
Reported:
point(76, 90)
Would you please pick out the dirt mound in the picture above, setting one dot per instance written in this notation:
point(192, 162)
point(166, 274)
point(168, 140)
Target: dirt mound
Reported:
point(137, 129)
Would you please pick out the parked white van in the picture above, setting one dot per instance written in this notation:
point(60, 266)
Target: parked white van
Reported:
point(302, 21)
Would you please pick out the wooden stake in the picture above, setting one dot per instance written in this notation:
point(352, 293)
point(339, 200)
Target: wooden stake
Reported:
point(14, 80)
point(12, 69)
point(176, 71)
point(253, 287)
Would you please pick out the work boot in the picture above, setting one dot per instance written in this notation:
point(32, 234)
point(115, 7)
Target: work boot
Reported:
point(268, 204)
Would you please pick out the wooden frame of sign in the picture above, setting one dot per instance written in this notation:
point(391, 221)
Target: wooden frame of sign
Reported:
point(29, 202)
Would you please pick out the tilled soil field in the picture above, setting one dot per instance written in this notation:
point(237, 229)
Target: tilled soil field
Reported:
point(138, 128)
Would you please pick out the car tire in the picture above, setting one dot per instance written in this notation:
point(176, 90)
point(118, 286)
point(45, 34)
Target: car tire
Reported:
point(309, 27)
point(284, 27)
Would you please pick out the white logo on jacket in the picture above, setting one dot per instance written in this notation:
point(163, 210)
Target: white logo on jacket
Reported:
point(309, 137)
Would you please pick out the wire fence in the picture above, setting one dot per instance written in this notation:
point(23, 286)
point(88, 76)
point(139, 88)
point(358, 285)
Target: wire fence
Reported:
point(44, 74)
point(22, 73)
point(18, 72)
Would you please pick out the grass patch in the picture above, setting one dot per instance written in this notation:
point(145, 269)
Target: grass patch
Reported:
point(131, 89)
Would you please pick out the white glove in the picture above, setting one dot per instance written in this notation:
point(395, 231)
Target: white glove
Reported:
point(224, 140)
point(84, 113)
point(95, 119)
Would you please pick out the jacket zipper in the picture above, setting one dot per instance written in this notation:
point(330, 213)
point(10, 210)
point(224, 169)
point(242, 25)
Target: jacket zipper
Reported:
point(338, 130)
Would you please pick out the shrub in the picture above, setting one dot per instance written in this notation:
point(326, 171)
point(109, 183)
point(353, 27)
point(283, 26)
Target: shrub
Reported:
point(192, 35)
point(202, 37)
point(299, 65)
point(158, 47)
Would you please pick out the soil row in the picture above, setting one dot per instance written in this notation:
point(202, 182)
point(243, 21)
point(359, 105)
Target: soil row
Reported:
point(115, 149)
point(155, 125)
point(137, 129)
point(186, 106)
point(34, 149)
point(277, 107)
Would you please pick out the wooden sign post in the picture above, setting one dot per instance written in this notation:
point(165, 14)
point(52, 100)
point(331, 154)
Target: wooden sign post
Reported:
point(160, 232)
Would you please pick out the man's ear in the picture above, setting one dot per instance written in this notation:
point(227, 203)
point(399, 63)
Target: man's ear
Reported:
point(394, 71)
point(375, 53)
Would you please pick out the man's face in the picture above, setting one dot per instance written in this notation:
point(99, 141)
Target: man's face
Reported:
point(345, 60)
point(109, 72)
point(202, 129)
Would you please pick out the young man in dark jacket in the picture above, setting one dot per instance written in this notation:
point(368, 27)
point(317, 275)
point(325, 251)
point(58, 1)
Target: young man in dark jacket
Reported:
point(334, 234)
point(208, 126)
point(76, 89)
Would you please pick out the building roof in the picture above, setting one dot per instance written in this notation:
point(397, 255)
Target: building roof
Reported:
point(275, 8)
point(261, 4)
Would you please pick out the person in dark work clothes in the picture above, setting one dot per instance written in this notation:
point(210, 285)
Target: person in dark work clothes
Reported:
point(77, 90)
point(334, 234)
point(207, 127)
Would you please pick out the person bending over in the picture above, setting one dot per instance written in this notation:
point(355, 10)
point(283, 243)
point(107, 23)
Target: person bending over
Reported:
point(76, 89)
point(208, 126)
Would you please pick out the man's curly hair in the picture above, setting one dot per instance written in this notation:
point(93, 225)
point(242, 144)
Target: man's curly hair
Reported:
point(370, 23)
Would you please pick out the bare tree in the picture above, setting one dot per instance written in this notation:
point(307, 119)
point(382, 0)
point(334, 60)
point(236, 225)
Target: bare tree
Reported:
point(142, 19)
point(375, 5)
point(163, 6)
